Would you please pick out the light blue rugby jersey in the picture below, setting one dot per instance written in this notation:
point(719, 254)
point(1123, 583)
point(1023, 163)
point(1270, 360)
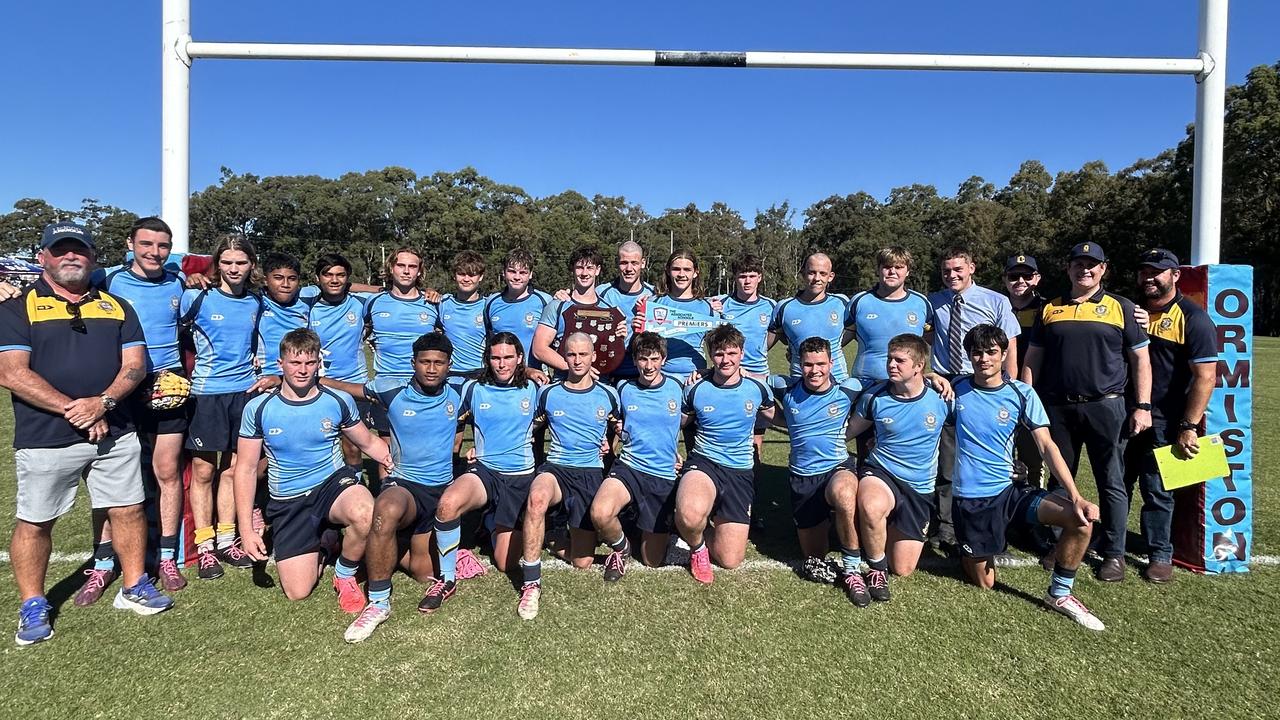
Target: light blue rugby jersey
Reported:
point(502, 418)
point(651, 425)
point(816, 424)
point(223, 328)
point(464, 325)
point(577, 421)
point(726, 418)
point(987, 421)
point(518, 317)
point(907, 432)
point(684, 352)
point(626, 302)
point(276, 321)
point(422, 429)
point(157, 303)
point(876, 321)
point(753, 320)
point(341, 329)
point(396, 323)
point(302, 440)
point(796, 321)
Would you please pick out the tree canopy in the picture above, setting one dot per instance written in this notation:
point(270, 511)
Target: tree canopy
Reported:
point(366, 216)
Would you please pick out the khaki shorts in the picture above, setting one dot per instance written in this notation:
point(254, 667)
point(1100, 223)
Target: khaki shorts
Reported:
point(48, 478)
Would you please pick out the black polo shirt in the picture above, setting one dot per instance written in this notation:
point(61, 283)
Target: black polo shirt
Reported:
point(1026, 320)
point(1182, 334)
point(77, 364)
point(1085, 346)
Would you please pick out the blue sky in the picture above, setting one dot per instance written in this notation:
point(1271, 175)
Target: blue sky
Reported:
point(79, 125)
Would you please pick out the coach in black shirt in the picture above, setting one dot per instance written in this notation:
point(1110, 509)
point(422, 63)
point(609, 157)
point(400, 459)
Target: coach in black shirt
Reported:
point(1085, 349)
point(69, 354)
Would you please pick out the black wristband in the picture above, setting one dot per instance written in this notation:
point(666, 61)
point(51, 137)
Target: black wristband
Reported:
point(1143, 406)
point(1185, 425)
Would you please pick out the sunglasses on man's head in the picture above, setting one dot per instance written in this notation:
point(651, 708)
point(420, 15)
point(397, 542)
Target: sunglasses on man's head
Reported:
point(1014, 277)
point(77, 321)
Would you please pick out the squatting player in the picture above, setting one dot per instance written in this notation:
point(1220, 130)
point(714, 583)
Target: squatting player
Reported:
point(895, 483)
point(423, 414)
point(716, 481)
point(500, 406)
point(815, 411)
point(644, 475)
point(577, 412)
point(988, 412)
point(310, 484)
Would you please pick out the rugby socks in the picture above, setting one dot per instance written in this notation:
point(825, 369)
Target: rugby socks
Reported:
point(1061, 580)
point(621, 545)
point(345, 568)
point(226, 535)
point(380, 593)
point(448, 536)
point(104, 556)
point(532, 571)
point(168, 547)
point(204, 538)
point(852, 560)
point(881, 563)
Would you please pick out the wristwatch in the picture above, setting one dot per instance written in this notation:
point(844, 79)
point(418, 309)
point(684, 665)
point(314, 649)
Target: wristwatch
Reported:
point(1143, 406)
point(1185, 425)
point(108, 403)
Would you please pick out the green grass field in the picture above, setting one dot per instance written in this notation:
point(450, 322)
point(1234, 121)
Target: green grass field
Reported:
point(760, 642)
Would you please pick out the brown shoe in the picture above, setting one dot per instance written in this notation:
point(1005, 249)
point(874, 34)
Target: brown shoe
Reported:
point(1112, 570)
point(1159, 573)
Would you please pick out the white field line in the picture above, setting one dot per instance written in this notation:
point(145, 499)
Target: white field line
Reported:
point(747, 565)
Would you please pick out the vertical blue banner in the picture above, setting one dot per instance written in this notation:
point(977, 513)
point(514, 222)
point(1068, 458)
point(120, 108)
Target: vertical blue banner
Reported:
point(1228, 502)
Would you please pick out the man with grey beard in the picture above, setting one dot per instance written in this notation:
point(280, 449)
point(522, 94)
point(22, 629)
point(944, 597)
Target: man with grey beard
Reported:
point(70, 354)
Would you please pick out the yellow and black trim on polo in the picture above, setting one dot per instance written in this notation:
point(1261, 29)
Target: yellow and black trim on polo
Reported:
point(79, 358)
point(1182, 335)
point(1085, 345)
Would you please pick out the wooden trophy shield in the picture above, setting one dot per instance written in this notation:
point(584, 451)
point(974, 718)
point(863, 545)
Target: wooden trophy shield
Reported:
point(601, 325)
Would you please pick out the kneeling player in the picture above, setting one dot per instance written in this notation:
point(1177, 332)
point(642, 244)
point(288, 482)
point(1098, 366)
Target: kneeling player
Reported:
point(716, 481)
point(422, 414)
point(645, 472)
point(815, 411)
point(501, 406)
point(895, 487)
point(577, 411)
point(988, 412)
point(311, 486)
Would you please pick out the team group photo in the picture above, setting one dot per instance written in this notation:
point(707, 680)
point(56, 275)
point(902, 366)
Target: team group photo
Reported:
point(316, 442)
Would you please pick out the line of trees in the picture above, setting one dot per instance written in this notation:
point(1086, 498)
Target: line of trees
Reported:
point(368, 215)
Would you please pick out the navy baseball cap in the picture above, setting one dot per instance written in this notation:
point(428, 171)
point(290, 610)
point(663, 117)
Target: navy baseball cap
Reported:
point(1026, 261)
point(1090, 250)
point(53, 232)
point(1160, 259)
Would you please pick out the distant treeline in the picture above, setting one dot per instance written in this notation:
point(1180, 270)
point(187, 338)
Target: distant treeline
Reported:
point(367, 215)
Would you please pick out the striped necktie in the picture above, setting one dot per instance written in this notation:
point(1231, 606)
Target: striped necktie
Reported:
point(955, 336)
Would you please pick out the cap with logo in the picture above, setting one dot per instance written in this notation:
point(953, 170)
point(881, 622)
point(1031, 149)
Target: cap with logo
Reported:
point(1090, 250)
point(53, 232)
point(1026, 261)
point(1160, 259)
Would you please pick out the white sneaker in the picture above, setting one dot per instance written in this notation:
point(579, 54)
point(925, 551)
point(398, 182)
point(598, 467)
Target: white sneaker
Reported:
point(362, 627)
point(530, 593)
point(1070, 606)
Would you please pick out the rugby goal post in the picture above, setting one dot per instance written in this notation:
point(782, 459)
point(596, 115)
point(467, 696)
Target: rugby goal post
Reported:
point(1226, 511)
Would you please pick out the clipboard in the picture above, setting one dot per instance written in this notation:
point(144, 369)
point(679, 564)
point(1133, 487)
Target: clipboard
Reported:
point(1208, 464)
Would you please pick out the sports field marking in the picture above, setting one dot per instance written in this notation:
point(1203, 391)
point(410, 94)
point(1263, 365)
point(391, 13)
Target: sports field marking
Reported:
point(747, 565)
